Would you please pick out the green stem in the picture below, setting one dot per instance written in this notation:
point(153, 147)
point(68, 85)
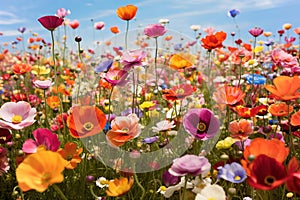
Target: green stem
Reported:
point(184, 189)
point(59, 192)
point(140, 186)
point(109, 104)
point(126, 34)
point(155, 64)
point(54, 64)
point(92, 192)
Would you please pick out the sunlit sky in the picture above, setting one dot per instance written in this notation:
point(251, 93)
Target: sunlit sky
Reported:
point(267, 14)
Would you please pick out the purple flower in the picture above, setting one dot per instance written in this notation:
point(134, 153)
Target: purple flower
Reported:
point(201, 123)
point(43, 84)
point(42, 136)
point(233, 13)
point(255, 32)
point(22, 29)
point(190, 164)
point(133, 58)
point(155, 30)
point(233, 173)
point(104, 66)
point(169, 179)
point(150, 140)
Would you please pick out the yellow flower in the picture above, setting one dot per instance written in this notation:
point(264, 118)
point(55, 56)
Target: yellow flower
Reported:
point(40, 170)
point(40, 70)
point(258, 49)
point(226, 143)
point(147, 104)
point(118, 187)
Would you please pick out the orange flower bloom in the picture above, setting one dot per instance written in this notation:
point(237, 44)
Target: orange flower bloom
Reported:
point(21, 68)
point(297, 30)
point(71, 154)
point(40, 170)
point(280, 109)
point(53, 102)
point(181, 61)
point(273, 148)
point(85, 121)
point(241, 129)
point(118, 187)
point(229, 95)
point(246, 112)
point(214, 41)
point(114, 29)
point(285, 87)
point(295, 119)
point(127, 12)
point(179, 92)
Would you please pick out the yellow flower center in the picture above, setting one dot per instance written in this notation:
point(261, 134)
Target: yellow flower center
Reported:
point(46, 177)
point(88, 126)
point(104, 182)
point(125, 129)
point(237, 178)
point(16, 119)
point(163, 188)
point(269, 180)
point(201, 126)
point(211, 198)
point(251, 62)
point(180, 91)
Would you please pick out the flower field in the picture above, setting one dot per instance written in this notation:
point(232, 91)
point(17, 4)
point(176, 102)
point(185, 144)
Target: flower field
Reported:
point(150, 114)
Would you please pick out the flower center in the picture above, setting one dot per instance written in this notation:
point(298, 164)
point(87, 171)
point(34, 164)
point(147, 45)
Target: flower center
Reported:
point(201, 126)
point(211, 198)
point(180, 91)
point(163, 188)
point(237, 178)
point(269, 180)
point(46, 178)
point(16, 119)
point(88, 126)
point(125, 129)
point(104, 182)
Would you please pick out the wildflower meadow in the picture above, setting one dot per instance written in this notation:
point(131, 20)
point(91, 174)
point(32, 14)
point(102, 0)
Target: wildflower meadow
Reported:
point(151, 114)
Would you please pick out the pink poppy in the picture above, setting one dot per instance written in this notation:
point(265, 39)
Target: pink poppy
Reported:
point(51, 22)
point(99, 25)
point(123, 128)
point(43, 137)
point(17, 115)
point(43, 84)
point(255, 32)
point(116, 77)
point(133, 58)
point(283, 59)
point(62, 12)
point(155, 30)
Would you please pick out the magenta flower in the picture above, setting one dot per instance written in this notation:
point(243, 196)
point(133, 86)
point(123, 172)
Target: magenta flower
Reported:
point(4, 164)
point(43, 84)
point(116, 77)
point(62, 12)
point(133, 58)
point(51, 22)
point(190, 164)
point(169, 179)
point(155, 30)
point(99, 25)
point(201, 123)
point(255, 32)
point(43, 137)
point(17, 115)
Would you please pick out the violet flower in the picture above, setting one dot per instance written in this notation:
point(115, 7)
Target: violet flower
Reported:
point(104, 66)
point(255, 32)
point(190, 164)
point(22, 29)
point(233, 13)
point(150, 140)
point(133, 58)
point(155, 30)
point(169, 179)
point(42, 136)
point(201, 123)
point(233, 173)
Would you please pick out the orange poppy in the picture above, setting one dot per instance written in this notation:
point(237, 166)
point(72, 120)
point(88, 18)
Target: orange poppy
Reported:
point(273, 148)
point(285, 87)
point(119, 187)
point(295, 119)
point(229, 95)
point(246, 112)
point(53, 102)
point(21, 68)
point(241, 129)
point(280, 109)
point(127, 12)
point(71, 154)
point(168, 37)
point(85, 121)
point(179, 92)
point(40, 170)
point(181, 61)
point(114, 29)
point(214, 41)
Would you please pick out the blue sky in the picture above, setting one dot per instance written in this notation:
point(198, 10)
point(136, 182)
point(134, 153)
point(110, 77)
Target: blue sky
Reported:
point(267, 14)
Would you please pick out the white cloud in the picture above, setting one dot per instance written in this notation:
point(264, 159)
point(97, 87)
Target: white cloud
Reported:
point(7, 18)
point(10, 33)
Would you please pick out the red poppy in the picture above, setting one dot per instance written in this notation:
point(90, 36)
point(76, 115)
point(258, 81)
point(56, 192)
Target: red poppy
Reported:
point(214, 41)
point(51, 22)
point(127, 12)
point(293, 183)
point(179, 92)
point(21, 68)
point(85, 121)
point(267, 173)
